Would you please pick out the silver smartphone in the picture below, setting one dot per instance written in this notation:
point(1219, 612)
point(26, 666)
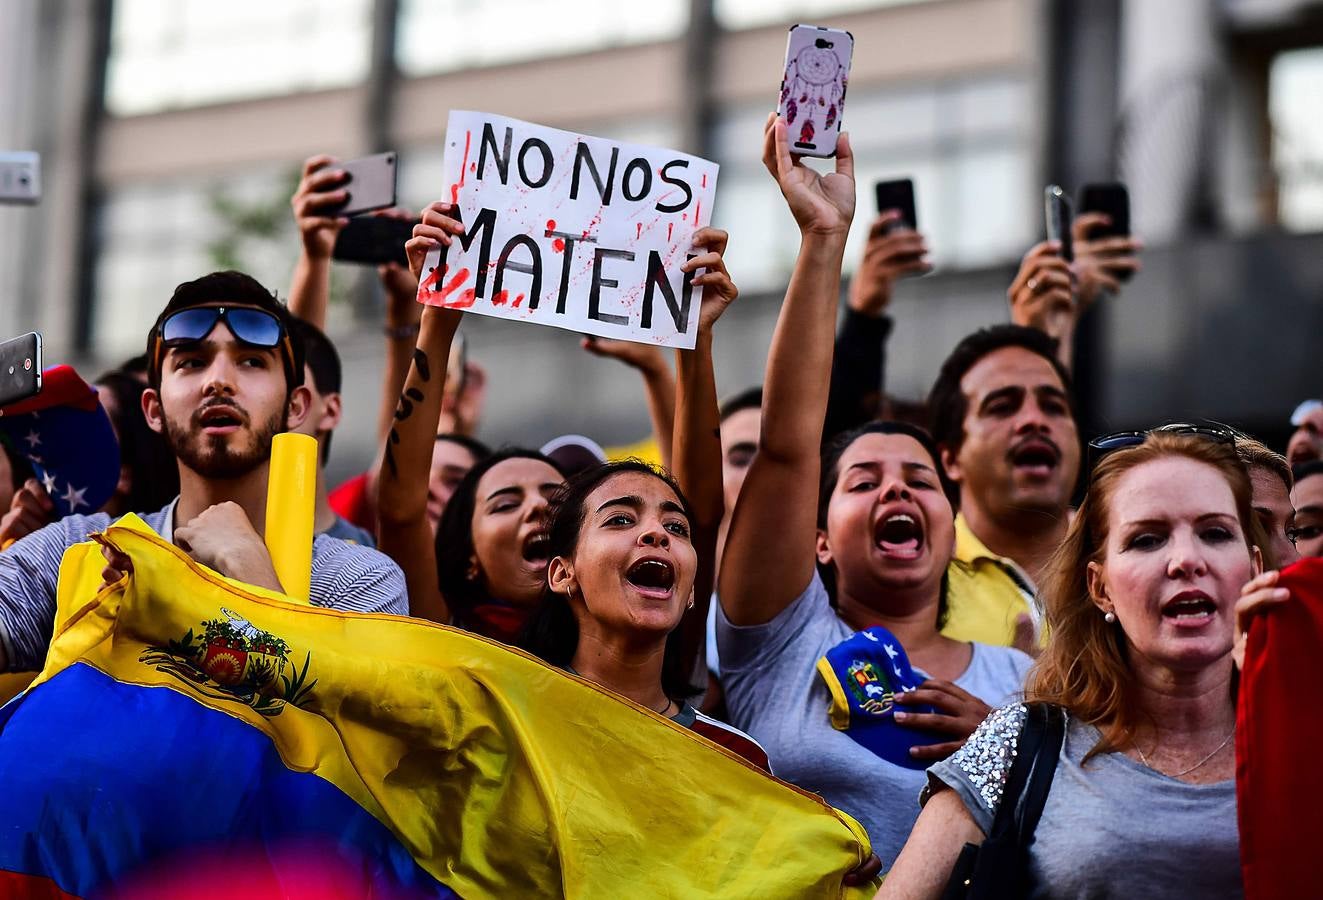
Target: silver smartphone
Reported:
point(20, 368)
point(370, 183)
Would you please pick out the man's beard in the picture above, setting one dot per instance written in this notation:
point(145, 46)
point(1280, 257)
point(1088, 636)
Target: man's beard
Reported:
point(213, 456)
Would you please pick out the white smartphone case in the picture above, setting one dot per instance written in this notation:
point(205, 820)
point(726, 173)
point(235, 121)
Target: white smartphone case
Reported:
point(813, 88)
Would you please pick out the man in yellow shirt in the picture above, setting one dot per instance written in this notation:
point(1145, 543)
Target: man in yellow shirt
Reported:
point(1003, 416)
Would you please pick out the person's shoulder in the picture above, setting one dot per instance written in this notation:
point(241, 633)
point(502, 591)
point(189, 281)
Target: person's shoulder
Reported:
point(62, 533)
point(329, 552)
point(1000, 657)
point(985, 759)
point(355, 578)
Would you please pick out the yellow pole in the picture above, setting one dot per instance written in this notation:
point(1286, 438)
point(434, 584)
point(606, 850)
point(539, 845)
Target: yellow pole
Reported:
point(291, 497)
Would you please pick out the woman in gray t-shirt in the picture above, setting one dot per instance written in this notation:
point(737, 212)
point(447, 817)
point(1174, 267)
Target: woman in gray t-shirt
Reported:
point(1142, 608)
point(876, 511)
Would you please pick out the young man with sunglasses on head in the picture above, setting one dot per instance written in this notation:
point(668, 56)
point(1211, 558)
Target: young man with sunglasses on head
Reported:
point(226, 375)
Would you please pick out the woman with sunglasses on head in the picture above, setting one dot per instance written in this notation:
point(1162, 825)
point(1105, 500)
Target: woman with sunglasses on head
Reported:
point(833, 557)
point(1147, 602)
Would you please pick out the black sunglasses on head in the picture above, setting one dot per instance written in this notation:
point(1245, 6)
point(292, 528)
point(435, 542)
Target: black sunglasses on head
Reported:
point(1108, 443)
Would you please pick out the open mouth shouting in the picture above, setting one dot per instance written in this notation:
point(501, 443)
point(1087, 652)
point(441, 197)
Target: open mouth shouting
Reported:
point(899, 535)
point(536, 548)
point(1189, 609)
point(1036, 457)
point(652, 577)
point(221, 418)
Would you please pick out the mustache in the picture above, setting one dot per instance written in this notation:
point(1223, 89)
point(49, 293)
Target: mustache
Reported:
point(1035, 439)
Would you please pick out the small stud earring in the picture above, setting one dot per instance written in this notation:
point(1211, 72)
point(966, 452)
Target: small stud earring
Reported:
point(1109, 617)
point(690, 604)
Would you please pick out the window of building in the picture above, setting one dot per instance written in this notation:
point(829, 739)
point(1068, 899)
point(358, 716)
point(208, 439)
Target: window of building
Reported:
point(1295, 84)
point(735, 14)
point(168, 54)
point(445, 35)
point(967, 145)
point(155, 236)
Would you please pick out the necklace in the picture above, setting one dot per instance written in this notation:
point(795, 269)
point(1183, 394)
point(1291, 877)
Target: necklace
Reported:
point(667, 708)
point(1220, 748)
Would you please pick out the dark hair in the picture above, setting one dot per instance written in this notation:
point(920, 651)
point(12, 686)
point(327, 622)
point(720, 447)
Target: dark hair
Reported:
point(752, 398)
point(1305, 470)
point(552, 634)
point(135, 365)
point(947, 405)
point(324, 363)
point(477, 448)
point(228, 288)
point(320, 356)
point(832, 452)
point(153, 475)
point(454, 536)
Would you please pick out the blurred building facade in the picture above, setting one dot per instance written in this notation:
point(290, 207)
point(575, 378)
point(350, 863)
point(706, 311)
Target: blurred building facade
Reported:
point(172, 130)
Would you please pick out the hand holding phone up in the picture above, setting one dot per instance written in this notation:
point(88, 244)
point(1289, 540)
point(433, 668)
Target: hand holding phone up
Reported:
point(1106, 253)
point(894, 250)
point(321, 188)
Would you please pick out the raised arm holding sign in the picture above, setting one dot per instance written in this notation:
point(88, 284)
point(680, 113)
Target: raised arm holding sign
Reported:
point(578, 232)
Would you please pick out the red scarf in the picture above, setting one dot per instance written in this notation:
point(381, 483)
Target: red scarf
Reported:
point(1279, 732)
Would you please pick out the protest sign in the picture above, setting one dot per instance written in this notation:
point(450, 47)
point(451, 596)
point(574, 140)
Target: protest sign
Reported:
point(578, 232)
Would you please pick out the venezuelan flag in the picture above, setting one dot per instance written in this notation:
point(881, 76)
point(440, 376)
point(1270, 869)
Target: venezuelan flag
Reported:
point(182, 716)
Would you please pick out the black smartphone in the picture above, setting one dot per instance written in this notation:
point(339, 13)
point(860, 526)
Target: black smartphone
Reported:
point(370, 183)
point(1112, 199)
point(372, 240)
point(898, 194)
point(1057, 212)
point(20, 368)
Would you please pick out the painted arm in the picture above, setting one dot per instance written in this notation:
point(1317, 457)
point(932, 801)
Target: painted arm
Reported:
point(696, 451)
point(769, 555)
point(403, 531)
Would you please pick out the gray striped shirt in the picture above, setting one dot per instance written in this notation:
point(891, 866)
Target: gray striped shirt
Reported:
point(344, 576)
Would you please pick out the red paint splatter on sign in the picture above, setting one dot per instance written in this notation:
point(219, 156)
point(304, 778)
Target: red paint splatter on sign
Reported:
point(431, 281)
point(697, 206)
point(638, 233)
point(670, 226)
point(703, 183)
point(463, 169)
point(500, 298)
point(519, 298)
point(451, 286)
point(558, 245)
point(551, 224)
point(466, 299)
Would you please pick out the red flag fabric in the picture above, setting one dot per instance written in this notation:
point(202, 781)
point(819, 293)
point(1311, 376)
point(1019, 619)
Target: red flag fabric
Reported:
point(1279, 730)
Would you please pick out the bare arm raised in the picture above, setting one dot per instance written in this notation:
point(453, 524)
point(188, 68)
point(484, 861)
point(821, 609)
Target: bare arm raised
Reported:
point(769, 554)
point(403, 530)
point(697, 442)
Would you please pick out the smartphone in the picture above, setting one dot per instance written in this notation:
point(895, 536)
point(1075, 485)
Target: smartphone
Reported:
point(1114, 200)
point(898, 194)
point(20, 368)
point(813, 87)
point(372, 240)
point(1057, 212)
point(371, 185)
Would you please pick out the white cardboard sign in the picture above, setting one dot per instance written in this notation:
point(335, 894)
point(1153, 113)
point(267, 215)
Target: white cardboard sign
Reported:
point(577, 232)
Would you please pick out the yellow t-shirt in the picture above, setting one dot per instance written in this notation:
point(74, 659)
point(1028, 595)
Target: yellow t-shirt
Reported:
point(646, 450)
point(985, 593)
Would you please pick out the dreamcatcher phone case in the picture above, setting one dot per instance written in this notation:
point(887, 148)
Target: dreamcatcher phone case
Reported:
point(813, 88)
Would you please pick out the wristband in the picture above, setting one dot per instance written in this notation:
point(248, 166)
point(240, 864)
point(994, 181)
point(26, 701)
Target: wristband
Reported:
point(401, 332)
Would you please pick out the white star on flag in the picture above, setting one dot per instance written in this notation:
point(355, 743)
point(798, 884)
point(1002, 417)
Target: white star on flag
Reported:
point(896, 669)
point(48, 482)
point(74, 498)
point(33, 439)
point(892, 653)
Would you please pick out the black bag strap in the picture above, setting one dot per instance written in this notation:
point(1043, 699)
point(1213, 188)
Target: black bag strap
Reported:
point(1045, 766)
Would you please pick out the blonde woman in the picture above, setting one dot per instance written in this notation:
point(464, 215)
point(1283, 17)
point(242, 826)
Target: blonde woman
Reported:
point(1143, 603)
